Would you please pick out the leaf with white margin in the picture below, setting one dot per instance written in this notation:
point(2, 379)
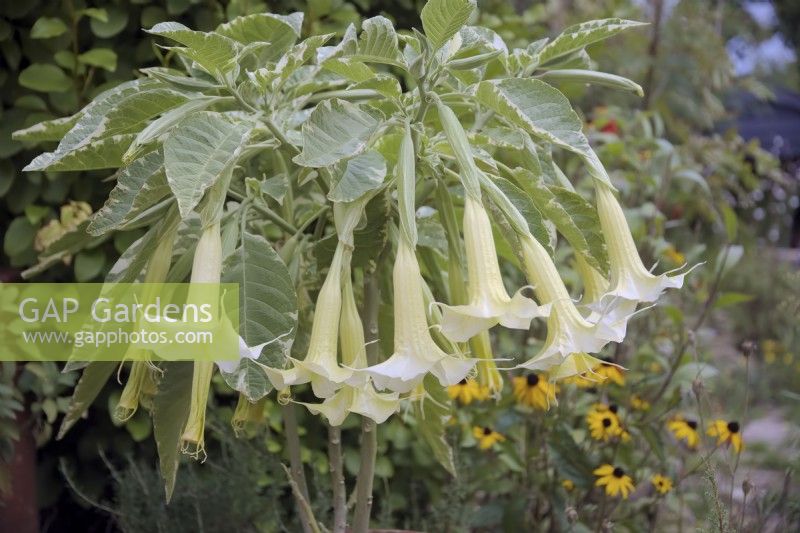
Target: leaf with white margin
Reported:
point(544, 112)
point(139, 186)
point(279, 31)
point(212, 51)
point(579, 36)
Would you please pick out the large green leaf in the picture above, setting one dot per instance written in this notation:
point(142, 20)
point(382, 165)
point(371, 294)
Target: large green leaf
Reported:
point(574, 217)
point(45, 78)
point(92, 380)
point(267, 310)
point(280, 31)
point(441, 19)
point(97, 154)
point(370, 239)
point(378, 43)
point(335, 130)
point(581, 35)
point(124, 109)
point(212, 51)
point(362, 174)
point(48, 130)
point(527, 209)
point(170, 412)
point(139, 186)
point(199, 151)
point(544, 112)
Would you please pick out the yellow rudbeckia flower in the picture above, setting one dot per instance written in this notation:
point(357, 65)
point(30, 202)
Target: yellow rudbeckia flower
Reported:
point(615, 480)
point(727, 433)
point(685, 430)
point(662, 484)
point(486, 437)
point(467, 390)
point(534, 390)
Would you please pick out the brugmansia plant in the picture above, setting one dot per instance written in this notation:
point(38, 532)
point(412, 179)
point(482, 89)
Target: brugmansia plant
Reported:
point(406, 172)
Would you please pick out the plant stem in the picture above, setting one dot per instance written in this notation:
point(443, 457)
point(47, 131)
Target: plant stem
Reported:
point(297, 475)
point(337, 479)
point(369, 437)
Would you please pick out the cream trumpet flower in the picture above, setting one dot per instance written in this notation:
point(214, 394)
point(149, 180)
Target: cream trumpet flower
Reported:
point(569, 335)
point(359, 395)
point(321, 365)
point(611, 314)
point(415, 352)
point(629, 278)
point(489, 303)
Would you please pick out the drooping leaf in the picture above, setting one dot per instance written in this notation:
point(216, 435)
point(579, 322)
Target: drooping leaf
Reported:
point(140, 185)
point(199, 151)
point(124, 109)
point(335, 130)
point(544, 112)
point(363, 173)
point(91, 382)
point(97, 154)
point(581, 35)
point(170, 412)
point(441, 19)
point(267, 310)
point(48, 130)
point(527, 209)
point(212, 51)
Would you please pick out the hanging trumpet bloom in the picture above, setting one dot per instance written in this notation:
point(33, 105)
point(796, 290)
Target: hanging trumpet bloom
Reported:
point(629, 278)
point(320, 366)
point(206, 268)
point(415, 352)
point(358, 395)
point(489, 303)
point(489, 377)
point(570, 337)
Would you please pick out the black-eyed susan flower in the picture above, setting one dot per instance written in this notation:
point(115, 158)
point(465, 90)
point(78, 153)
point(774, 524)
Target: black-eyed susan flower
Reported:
point(610, 372)
point(568, 485)
point(604, 424)
point(727, 433)
point(486, 437)
point(534, 390)
point(661, 483)
point(639, 404)
point(615, 480)
point(684, 429)
point(467, 391)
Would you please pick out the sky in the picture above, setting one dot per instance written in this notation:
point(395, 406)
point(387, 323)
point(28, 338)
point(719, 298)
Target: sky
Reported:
point(768, 54)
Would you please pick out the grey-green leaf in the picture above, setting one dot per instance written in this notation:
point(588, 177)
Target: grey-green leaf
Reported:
point(441, 19)
point(362, 174)
point(48, 130)
point(335, 130)
point(140, 185)
point(198, 152)
point(170, 412)
point(92, 380)
point(212, 51)
point(581, 35)
point(378, 42)
point(267, 309)
point(280, 31)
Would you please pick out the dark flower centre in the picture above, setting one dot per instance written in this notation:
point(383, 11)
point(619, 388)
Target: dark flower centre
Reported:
point(487, 431)
point(606, 422)
point(613, 408)
point(463, 381)
point(692, 424)
point(618, 472)
point(533, 380)
point(733, 427)
point(592, 390)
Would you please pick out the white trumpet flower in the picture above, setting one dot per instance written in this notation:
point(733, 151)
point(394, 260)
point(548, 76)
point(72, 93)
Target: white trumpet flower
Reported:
point(415, 352)
point(629, 277)
point(489, 303)
point(569, 335)
point(320, 366)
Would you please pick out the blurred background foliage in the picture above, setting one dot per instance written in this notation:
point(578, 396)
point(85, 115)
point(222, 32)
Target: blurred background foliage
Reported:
point(701, 191)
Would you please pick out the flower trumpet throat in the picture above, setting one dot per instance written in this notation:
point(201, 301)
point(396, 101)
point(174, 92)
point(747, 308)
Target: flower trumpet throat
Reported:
point(629, 278)
point(131, 394)
point(206, 268)
point(489, 302)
